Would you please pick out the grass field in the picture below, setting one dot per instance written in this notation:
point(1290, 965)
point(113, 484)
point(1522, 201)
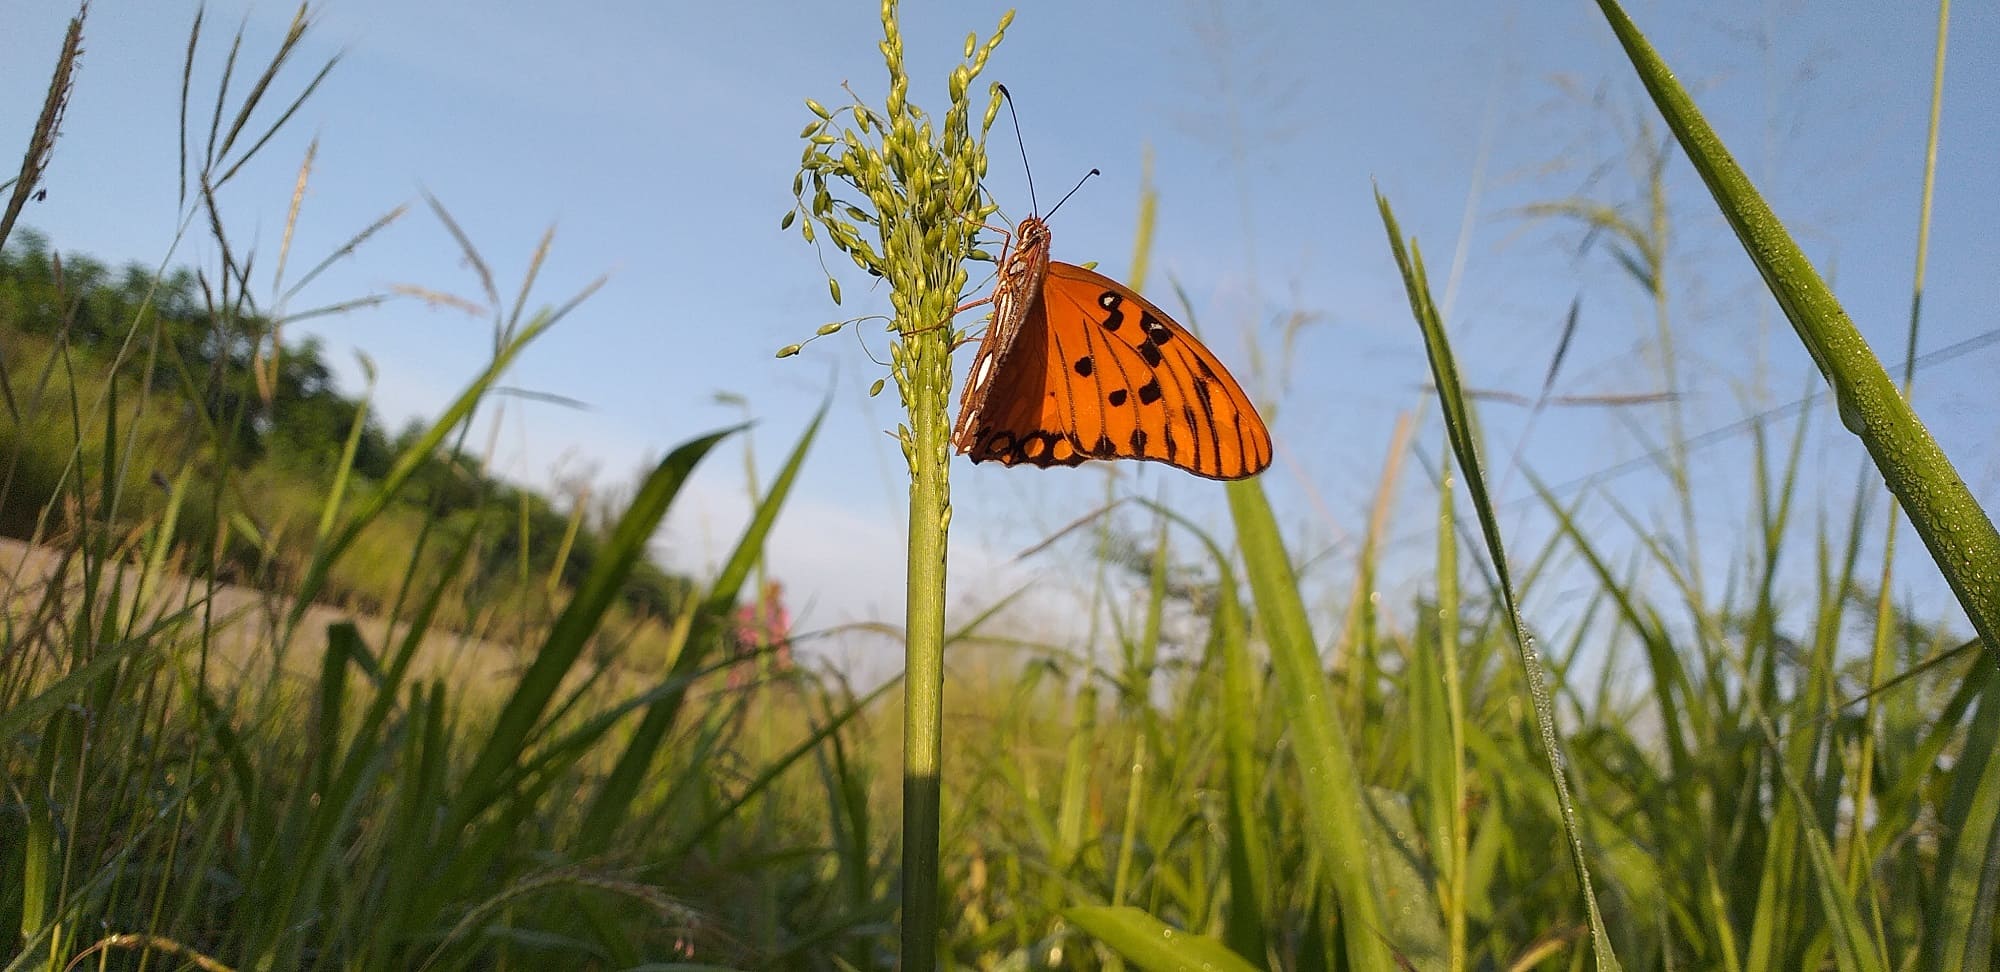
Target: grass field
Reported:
point(395, 741)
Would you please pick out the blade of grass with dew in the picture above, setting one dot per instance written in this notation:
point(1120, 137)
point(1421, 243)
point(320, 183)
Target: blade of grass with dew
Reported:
point(614, 800)
point(1151, 944)
point(1672, 694)
point(1396, 849)
point(1961, 539)
point(1336, 821)
point(1960, 536)
point(1458, 426)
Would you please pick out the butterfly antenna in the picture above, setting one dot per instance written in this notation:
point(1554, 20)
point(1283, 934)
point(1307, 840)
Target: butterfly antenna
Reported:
point(1023, 146)
point(1073, 189)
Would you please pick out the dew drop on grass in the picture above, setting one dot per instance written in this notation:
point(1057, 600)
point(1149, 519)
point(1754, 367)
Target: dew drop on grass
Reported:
point(1850, 415)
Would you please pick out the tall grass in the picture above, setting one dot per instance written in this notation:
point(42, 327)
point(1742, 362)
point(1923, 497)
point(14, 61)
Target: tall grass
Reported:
point(193, 776)
point(176, 793)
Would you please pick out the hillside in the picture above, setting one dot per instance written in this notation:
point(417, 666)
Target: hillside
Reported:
point(211, 390)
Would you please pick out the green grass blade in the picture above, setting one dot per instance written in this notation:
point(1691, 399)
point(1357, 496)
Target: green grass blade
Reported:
point(614, 800)
point(578, 622)
point(1335, 824)
point(1453, 864)
point(1396, 846)
point(1960, 536)
point(1852, 948)
point(1436, 758)
point(343, 642)
point(1249, 856)
point(1149, 943)
point(1458, 425)
point(827, 730)
point(1961, 935)
point(39, 708)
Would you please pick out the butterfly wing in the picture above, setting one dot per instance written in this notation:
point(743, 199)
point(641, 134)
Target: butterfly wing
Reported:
point(1015, 297)
point(1095, 371)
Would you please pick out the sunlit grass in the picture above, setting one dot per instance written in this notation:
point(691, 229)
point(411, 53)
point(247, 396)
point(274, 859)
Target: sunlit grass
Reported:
point(254, 719)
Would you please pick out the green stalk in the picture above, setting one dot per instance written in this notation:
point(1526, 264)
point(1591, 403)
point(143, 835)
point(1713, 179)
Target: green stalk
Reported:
point(927, 388)
point(1959, 535)
point(920, 187)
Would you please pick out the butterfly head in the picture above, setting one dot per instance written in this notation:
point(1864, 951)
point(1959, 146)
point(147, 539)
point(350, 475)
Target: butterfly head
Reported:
point(1031, 245)
point(1032, 233)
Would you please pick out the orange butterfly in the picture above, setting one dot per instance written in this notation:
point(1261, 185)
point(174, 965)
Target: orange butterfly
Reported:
point(1077, 366)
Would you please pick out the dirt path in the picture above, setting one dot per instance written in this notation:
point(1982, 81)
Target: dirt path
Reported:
point(243, 620)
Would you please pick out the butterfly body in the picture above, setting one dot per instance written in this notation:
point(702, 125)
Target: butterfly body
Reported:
point(1077, 366)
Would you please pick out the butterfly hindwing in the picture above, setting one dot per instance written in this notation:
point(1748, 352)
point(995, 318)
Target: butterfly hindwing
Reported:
point(1084, 368)
point(1138, 385)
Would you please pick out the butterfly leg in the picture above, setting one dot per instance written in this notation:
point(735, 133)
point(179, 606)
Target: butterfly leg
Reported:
point(961, 342)
point(1006, 245)
point(968, 339)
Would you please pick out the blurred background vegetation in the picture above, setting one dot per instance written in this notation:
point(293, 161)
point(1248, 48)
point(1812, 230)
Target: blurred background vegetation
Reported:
point(67, 326)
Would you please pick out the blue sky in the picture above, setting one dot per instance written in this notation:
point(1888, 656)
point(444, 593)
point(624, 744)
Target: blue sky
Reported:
point(660, 140)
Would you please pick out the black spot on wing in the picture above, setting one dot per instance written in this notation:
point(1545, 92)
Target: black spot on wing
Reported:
point(1114, 316)
point(1149, 392)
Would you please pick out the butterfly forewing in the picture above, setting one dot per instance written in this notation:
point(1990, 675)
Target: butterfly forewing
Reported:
point(1080, 367)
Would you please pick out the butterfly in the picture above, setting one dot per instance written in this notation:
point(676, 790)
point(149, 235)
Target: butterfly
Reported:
point(1076, 366)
